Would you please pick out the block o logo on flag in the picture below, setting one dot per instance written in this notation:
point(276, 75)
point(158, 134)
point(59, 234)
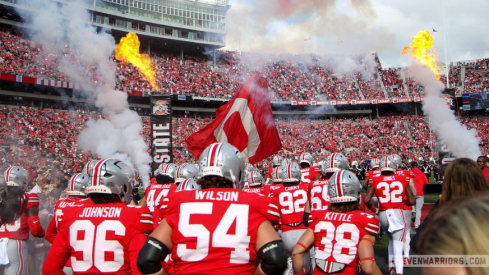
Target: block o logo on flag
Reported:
point(246, 122)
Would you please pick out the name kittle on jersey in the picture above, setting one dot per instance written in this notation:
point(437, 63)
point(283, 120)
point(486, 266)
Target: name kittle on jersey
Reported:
point(101, 212)
point(338, 216)
point(217, 196)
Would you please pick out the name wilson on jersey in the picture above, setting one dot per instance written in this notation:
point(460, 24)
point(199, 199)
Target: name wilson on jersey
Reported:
point(101, 212)
point(217, 196)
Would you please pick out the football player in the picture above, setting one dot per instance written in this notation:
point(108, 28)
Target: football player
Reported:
point(276, 182)
point(255, 183)
point(218, 229)
point(157, 194)
point(186, 171)
point(276, 162)
point(292, 198)
point(309, 173)
point(19, 216)
point(342, 236)
point(408, 208)
point(77, 196)
point(390, 189)
point(107, 236)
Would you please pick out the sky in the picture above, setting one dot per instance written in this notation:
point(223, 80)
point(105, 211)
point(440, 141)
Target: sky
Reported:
point(358, 26)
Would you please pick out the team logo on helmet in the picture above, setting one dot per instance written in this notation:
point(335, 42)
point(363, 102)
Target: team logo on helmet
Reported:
point(160, 108)
point(448, 99)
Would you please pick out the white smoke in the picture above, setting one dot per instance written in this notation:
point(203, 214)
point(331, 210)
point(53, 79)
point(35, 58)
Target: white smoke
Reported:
point(60, 28)
point(460, 140)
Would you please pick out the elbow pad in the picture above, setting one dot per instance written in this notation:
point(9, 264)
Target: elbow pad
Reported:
point(151, 255)
point(273, 258)
point(305, 219)
point(35, 226)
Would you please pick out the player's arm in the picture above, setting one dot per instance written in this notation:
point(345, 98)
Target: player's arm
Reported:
point(412, 186)
point(58, 255)
point(367, 256)
point(307, 213)
point(303, 245)
point(411, 196)
point(155, 250)
point(34, 223)
point(369, 195)
point(270, 250)
point(51, 231)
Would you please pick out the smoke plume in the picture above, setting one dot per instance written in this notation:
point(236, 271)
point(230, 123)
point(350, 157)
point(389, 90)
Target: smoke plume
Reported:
point(86, 58)
point(460, 140)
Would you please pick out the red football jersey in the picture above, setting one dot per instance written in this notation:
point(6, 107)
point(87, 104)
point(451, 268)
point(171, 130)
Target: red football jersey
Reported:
point(390, 190)
point(101, 239)
point(156, 195)
point(410, 175)
point(308, 174)
point(370, 174)
point(19, 229)
point(291, 203)
point(257, 190)
point(318, 195)
point(337, 237)
point(270, 188)
point(215, 230)
point(61, 204)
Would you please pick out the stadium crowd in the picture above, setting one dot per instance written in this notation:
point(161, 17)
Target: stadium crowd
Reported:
point(291, 77)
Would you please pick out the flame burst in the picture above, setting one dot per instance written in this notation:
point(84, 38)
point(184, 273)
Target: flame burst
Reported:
point(419, 49)
point(127, 51)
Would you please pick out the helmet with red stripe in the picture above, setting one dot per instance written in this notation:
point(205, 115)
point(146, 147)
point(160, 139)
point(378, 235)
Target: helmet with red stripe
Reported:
point(112, 176)
point(224, 160)
point(255, 179)
point(16, 176)
point(285, 162)
point(89, 167)
point(334, 163)
point(344, 186)
point(388, 163)
point(186, 171)
point(188, 184)
point(77, 185)
point(306, 158)
point(276, 174)
point(276, 161)
point(167, 169)
point(374, 163)
point(291, 172)
point(397, 159)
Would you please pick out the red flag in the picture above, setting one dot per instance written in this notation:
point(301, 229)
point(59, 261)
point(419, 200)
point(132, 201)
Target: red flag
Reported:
point(246, 122)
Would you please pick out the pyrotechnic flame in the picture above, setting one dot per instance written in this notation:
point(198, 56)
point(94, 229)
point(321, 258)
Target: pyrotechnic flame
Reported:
point(419, 49)
point(128, 51)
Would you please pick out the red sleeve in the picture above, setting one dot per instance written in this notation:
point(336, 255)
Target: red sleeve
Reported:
point(35, 226)
point(51, 231)
point(369, 223)
point(146, 225)
point(273, 214)
point(32, 200)
point(135, 246)
point(58, 255)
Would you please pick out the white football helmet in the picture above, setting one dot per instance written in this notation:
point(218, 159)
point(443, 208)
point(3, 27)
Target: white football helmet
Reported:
point(344, 186)
point(112, 176)
point(388, 163)
point(16, 176)
point(89, 167)
point(78, 184)
point(306, 158)
point(276, 174)
point(167, 169)
point(188, 184)
point(334, 163)
point(255, 179)
point(291, 173)
point(285, 162)
point(276, 161)
point(224, 160)
point(186, 171)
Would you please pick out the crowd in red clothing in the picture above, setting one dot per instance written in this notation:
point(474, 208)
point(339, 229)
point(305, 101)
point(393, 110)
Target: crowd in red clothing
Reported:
point(33, 137)
point(290, 77)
